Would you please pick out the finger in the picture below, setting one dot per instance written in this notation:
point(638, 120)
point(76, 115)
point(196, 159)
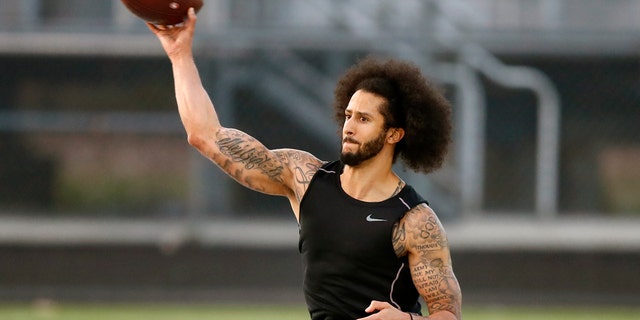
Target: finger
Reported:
point(377, 306)
point(191, 17)
point(153, 27)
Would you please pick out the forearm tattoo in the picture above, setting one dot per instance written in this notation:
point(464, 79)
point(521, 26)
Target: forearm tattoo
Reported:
point(437, 284)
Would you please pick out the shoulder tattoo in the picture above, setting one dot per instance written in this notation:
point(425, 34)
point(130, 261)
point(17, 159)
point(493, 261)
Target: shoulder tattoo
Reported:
point(425, 229)
point(420, 229)
point(303, 166)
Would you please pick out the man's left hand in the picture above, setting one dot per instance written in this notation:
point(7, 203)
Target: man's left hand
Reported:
point(384, 311)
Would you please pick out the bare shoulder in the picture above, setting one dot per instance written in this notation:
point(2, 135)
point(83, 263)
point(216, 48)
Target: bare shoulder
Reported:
point(302, 165)
point(419, 230)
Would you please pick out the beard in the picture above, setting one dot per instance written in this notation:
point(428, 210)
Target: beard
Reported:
point(368, 150)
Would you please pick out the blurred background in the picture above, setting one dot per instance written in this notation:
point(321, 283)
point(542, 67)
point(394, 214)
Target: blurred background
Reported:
point(102, 199)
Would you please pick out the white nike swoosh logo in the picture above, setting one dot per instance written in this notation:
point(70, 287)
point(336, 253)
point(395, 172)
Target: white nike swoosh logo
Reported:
point(372, 219)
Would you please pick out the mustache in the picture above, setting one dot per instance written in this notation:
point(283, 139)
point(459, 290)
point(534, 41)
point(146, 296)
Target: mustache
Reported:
point(350, 140)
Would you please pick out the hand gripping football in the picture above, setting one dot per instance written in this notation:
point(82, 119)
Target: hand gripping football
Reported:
point(162, 12)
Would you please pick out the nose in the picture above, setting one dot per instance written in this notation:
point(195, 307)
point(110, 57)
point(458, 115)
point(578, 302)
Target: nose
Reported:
point(347, 128)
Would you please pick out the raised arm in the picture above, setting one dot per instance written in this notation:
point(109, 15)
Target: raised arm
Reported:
point(284, 172)
point(421, 235)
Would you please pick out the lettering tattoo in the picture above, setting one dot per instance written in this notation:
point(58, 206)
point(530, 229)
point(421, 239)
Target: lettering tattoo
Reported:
point(437, 284)
point(425, 229)
point(253, 165)
point(304, 166)
point(429, 261)
point(241, 148)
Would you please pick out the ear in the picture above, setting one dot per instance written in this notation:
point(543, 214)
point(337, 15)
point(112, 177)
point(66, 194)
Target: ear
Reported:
point(394, 135)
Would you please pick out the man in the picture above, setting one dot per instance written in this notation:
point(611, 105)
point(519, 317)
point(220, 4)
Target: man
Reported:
point(371, 246)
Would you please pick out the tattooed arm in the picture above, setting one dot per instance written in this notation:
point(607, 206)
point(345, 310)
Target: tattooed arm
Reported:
point(427, 247)
point(284, 172)
point(420, 236)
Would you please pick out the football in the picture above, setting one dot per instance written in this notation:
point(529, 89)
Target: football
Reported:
point(162, 12)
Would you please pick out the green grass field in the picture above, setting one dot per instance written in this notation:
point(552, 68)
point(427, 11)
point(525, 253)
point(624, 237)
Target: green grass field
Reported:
point(51, 311)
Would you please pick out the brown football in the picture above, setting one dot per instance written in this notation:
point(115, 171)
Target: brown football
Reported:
point(162, 12)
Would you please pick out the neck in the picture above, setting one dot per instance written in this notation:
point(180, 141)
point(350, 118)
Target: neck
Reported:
point(371, 181)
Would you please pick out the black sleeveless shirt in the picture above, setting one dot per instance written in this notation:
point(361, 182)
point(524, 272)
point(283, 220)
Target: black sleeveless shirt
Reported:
point(347, 251)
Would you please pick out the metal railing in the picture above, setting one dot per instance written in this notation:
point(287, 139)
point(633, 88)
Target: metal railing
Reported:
point(373, 29)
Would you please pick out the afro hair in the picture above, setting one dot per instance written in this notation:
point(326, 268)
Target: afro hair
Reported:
point(413, 104)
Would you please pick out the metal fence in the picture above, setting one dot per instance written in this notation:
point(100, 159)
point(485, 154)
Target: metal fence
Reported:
point(546, 102)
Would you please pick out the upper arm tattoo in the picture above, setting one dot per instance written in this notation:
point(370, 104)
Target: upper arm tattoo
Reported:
point(241, 148)
point(303, 165)
point(430, 261)
point(281, 172)
point(426, 230)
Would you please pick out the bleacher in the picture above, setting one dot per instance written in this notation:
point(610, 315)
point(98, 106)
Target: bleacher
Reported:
point(539, 195)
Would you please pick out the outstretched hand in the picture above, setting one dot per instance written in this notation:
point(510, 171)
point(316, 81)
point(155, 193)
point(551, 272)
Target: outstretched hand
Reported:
point(384, 311)
point(176, 40)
